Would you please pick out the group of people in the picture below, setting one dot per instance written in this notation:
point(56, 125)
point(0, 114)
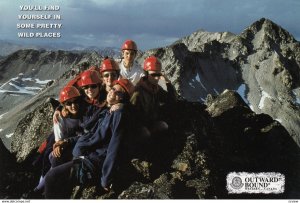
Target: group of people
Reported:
point(101, 109)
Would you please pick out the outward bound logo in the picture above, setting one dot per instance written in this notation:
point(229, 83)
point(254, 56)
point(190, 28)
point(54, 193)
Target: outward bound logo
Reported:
point(255, 182)
point(236, 183)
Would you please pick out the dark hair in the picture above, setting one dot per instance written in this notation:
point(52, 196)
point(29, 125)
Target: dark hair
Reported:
point(146, 73)
point(126, 98)
point(82, 105)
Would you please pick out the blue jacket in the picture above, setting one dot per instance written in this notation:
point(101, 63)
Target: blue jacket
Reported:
point(102, 147)
point(93, 116)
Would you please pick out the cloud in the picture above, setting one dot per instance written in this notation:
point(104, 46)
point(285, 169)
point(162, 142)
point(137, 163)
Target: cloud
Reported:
point(155, 23)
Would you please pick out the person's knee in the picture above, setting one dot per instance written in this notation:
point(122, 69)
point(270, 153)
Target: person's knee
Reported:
point(162, 126)
point(145, 132)
point(49, 178)
point(159, 126)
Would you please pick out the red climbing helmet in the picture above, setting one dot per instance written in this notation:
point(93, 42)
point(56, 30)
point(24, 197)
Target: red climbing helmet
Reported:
point(129, 45)
point(126, 85)
point(152, 64)
point(67, 93)
point(89, 77)
point(109, 65)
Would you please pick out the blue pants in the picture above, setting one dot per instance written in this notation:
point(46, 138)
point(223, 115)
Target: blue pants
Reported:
point(58, 183)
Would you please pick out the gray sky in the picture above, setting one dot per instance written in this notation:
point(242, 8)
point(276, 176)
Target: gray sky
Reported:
point(151, 23)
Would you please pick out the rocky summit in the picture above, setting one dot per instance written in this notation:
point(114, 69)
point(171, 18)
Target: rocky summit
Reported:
point(261, 64)
point(205, 143)
point(238, 111)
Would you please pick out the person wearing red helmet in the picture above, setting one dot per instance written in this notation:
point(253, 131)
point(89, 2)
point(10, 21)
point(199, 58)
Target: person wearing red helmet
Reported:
point(110, 72)
point(91, 84)
point(69, 97)
point(150, 96)
point(129, 68)
point(99, 153)
point(67, 126)
point(121, 92)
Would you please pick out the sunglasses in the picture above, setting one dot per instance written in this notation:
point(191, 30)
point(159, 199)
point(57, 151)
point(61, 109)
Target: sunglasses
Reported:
point(112, 75)
point(90, 86)
point(69, 103)
point(155, 74)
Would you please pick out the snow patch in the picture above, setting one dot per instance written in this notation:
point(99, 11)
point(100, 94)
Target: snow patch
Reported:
point(279, 120)
point(42, 82)
point(199, 80)
point(216, 91)
point(13, 79)
point(27, 79)
point(196, 80)
point(1, 116)
point(192, 85)
point(262, 100)
point(197, 77)
point(242, 92)
point(297, 100)
point(21, 90)
point(1, 130)
point(32, 88)
point(19, 86)
point(9, 135)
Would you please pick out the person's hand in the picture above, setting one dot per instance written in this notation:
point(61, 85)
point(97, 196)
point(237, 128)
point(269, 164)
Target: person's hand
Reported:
point(56, 116)
point(57, 151)
point(59, 143)
point(115, 107)
point(64, 112)
point(58, 147)
point(164, 78)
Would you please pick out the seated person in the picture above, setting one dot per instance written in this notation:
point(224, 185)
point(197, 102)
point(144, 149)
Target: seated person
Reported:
point(99, 154)
point(149, 97)
point(110, 72)
point(67, 126)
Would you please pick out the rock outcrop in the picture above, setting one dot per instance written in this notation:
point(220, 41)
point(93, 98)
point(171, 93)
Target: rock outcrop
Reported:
point(27, 138)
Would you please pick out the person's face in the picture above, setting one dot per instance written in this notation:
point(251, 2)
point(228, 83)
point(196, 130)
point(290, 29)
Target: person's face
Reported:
point(129, 56)
point(72, 105)
point(115, 94)
point(154, 76)
point(109, 77)
point(91, 91)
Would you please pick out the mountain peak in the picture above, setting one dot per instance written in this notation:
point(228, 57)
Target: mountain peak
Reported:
point(270, 30)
